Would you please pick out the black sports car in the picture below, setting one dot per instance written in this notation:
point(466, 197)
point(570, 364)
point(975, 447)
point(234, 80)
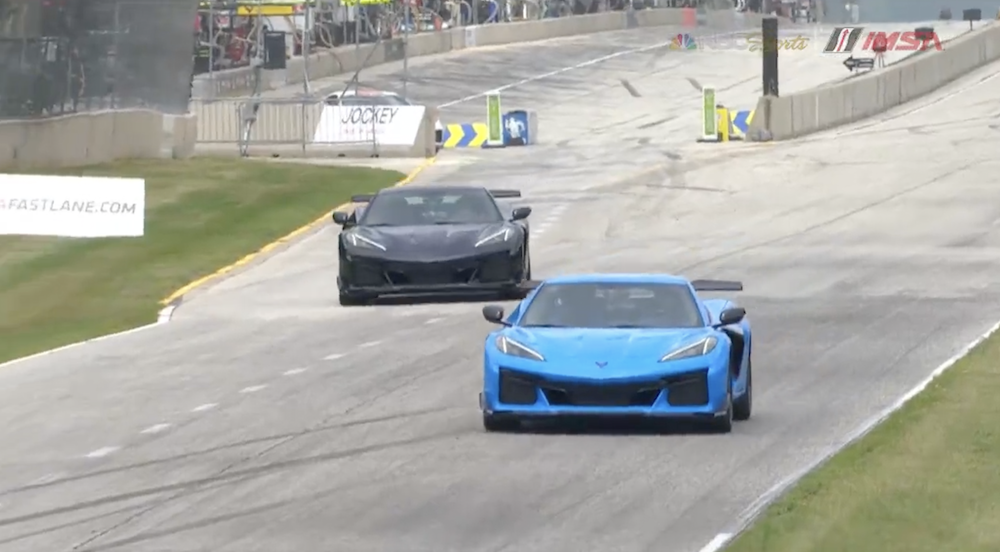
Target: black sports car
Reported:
point(433, 240)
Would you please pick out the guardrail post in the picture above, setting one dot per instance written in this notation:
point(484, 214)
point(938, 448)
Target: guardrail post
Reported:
point(304, 114)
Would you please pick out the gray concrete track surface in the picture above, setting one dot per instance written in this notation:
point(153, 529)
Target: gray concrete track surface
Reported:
point(278, 421)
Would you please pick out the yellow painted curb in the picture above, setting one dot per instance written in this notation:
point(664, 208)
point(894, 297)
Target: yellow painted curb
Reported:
point(284, 239)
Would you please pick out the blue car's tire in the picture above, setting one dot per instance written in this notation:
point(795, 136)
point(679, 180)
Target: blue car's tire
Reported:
point(494, 423)
point(743, 405)
point(724, 423)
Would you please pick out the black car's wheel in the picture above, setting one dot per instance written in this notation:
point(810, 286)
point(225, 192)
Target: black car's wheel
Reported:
point(501, 423)
point(744, 405)
point(724, 423)
point(527, 262)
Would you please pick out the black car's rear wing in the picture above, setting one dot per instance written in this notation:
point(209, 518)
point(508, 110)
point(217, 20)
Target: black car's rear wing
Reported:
point(498, 194)
point(716, 285)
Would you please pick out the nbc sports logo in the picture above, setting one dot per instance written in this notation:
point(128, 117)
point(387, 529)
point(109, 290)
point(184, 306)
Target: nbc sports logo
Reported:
point(683, 42)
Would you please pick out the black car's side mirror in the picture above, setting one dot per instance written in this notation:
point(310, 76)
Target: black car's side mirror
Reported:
point(734, 315)
point(520, 213)
point(341, 217)
point(494, 314)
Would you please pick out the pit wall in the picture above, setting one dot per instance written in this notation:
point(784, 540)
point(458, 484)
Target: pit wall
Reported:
point(829, 106)
point(95, 137)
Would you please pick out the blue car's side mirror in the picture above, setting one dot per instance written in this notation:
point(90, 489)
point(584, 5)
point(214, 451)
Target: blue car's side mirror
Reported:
point(494, 314)
point(734, 315)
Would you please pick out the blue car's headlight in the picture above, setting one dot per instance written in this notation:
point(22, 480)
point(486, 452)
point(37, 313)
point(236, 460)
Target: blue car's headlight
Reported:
point(510, 347)
point(357, 240)
point(496, 237)
point(696, 349)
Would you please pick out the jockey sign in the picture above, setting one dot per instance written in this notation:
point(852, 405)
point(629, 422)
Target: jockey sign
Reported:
point(380, 124)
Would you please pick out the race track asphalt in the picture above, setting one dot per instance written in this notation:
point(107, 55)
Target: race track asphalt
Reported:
point(267, 418)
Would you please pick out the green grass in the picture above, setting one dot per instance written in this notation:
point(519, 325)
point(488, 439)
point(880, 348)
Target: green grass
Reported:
point(201, 214)
point(927, 480)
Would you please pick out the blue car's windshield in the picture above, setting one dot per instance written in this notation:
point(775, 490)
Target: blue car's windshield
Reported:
point(417, 207)
point(613, 305)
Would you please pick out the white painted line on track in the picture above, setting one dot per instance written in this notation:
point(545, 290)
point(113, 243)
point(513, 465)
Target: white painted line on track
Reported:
point(294, 371)
point(77, 344)
point(716, 543)
point(334, 356)
point(433, 320)
point(751, 512)
point(204, 407)
point(252, 389)
point(368, 344)
point(158, 428)
point(102, 452)
point(165, 314)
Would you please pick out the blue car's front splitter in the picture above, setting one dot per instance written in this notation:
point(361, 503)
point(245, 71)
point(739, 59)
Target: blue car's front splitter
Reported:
point(659, 410)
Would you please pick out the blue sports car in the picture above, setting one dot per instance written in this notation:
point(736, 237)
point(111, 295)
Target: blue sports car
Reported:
point(618, 345)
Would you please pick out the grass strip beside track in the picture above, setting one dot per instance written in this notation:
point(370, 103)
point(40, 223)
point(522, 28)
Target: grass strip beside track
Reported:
point(926, 480)
point(200, 214)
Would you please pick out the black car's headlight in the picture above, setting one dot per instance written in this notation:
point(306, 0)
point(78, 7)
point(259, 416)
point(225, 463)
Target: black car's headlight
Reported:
point(698, 348)
point(499, 236)
point(510, 347)
point(357, 240)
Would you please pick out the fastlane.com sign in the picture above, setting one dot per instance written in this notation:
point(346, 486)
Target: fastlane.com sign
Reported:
point(72, 206)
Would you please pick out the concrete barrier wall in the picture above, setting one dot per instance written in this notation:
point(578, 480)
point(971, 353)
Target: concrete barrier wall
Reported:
point(97, 137)
point(348, 59)
point(842, 103)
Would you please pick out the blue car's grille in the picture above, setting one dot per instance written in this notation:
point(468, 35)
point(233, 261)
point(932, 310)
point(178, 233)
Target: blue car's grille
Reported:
point(688, 389)
point(517, 389)
point(577, 394)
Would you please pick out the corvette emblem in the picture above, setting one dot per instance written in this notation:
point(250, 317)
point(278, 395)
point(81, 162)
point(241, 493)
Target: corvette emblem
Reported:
point(601, 364)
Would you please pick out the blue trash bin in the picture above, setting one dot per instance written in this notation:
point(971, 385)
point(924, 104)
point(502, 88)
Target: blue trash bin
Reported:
point(516, 129)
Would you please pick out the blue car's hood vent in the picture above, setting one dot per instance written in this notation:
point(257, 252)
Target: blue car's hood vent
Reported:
point(621, 349)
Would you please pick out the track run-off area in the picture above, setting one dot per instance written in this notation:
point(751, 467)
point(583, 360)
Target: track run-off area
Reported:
point(265, 417)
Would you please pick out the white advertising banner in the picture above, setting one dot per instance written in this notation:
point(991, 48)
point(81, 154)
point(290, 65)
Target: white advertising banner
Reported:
point(382, 124)
point(72, 206)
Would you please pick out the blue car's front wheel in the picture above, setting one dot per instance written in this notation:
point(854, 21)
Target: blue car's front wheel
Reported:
point(724, 422)
point(743, 405)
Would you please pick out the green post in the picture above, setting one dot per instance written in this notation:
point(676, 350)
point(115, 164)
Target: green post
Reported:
point(710, 122)
point(494, 120)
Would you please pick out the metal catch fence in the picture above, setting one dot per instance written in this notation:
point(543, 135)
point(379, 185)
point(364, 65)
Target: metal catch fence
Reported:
point(66, 56)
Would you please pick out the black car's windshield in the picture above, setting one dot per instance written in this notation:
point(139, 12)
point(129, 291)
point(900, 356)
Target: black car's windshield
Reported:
point(416, 207)
point(613, 305)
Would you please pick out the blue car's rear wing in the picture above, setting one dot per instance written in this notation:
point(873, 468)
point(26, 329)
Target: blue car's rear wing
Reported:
point(716, 285)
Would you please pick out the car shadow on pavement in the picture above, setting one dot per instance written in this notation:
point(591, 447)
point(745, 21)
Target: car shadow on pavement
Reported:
point(615, 426)
point(472, 298)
